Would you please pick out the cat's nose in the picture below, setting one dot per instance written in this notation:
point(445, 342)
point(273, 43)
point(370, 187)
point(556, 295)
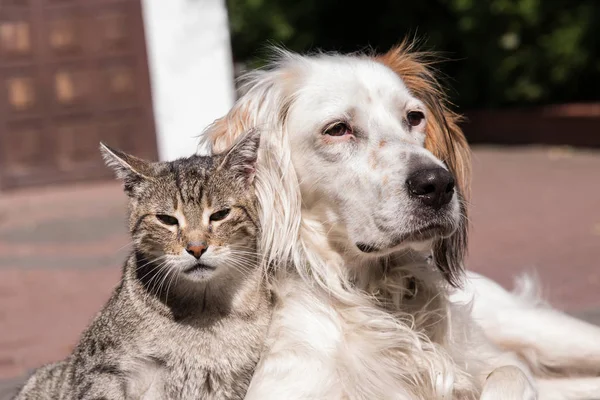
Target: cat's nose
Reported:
point(196, 249)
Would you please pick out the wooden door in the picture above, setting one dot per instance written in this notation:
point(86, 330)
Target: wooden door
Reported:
point(72, 73)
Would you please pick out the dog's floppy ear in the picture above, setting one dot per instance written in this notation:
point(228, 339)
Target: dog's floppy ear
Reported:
point(264, 105)
point(444, 139)
point(223, 133)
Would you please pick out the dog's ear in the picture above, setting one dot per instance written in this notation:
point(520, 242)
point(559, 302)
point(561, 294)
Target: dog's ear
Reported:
point(223, 133)
point(264, 105)
point(444, 139)
point(449, 253)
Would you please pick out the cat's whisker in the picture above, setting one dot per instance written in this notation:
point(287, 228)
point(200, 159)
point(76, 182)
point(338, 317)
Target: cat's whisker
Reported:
point(153, 260)
point(163, 280)
point(122, 247)
point(250, 248)
point(241, 266)
point(154, 268)
point(174, 275)
point(243, 261)
point(153, 273)
point(160, 273)
point(164, 287)
point(244, 254)
point(240, 256)
point(247, 256)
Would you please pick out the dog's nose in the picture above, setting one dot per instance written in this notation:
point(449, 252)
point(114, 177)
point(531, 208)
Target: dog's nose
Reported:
point(196, 249)
point(433, 186)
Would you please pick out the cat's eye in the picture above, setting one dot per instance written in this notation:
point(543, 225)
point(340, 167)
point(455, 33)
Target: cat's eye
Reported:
point(167, 219)
point(220, 215)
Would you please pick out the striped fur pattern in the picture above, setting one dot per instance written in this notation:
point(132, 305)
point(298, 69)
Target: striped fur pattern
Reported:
point(179, 326)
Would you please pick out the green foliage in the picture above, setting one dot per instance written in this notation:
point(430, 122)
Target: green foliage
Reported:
point(503, 52)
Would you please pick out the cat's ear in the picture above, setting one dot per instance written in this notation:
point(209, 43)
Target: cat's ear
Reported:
point(131, 170)
point(242, 157)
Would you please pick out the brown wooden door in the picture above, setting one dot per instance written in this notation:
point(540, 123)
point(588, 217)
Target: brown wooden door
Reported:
point(72, 73)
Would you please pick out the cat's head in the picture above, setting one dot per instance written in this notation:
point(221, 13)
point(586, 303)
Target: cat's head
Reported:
point(195, 216)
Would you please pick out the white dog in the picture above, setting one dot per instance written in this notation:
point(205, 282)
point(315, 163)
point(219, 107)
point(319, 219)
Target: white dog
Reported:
point(362, 181)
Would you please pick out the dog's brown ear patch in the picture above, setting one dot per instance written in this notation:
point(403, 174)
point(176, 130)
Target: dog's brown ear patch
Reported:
point(444, 139)
point(224, 132)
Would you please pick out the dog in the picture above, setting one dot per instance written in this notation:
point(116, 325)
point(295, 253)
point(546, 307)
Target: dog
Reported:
point(363, 181)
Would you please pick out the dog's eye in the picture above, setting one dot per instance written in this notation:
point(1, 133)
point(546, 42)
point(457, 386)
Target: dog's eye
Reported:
point(220, 215)
point(414, 118)
point(339, 129)
point(167, 219)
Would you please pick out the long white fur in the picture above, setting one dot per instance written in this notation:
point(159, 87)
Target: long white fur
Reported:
point(552, 342)
point(345, 326)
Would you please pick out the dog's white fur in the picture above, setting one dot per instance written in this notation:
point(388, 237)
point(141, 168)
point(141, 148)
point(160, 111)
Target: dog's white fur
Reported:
point(380, 325)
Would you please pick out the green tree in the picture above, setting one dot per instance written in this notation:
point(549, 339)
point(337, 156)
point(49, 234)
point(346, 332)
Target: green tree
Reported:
point(501, 52)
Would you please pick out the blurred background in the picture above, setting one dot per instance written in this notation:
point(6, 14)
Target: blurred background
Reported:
point(147, 75)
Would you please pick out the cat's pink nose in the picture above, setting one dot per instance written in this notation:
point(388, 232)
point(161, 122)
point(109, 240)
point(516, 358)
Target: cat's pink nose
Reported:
point(196, 249)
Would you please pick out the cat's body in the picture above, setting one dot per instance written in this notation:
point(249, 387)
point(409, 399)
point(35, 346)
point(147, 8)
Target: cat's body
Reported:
point(194, 334)
point(136, 348)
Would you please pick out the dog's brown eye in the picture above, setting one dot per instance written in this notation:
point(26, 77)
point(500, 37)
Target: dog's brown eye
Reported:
point(167, 219)
point(414, 118)
point(220, 215)
point(339, 129)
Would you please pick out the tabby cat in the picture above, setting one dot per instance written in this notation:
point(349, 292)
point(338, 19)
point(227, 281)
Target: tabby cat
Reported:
point(190, 315)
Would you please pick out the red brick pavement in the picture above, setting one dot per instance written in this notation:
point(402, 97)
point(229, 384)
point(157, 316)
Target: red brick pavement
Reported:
point(61, 249)
point(539, 210)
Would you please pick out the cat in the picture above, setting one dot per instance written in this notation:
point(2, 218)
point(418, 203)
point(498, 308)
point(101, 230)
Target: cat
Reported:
point(191, 313)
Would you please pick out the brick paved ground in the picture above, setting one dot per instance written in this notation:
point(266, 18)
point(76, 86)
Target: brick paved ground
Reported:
point(539, 209)
point(61, 249)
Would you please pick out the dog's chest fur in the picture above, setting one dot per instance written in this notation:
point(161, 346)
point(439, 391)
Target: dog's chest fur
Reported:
point(384, 348)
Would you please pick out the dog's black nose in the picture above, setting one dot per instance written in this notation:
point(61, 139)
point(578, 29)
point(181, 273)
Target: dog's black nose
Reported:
point(433, 186)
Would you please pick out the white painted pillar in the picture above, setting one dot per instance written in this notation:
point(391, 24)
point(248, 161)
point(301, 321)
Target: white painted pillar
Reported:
point(191, 70)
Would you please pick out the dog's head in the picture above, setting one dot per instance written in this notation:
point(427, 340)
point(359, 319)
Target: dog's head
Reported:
point(373, 150)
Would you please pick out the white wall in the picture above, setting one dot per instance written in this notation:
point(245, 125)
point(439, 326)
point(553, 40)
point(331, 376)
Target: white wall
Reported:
point(191, 69)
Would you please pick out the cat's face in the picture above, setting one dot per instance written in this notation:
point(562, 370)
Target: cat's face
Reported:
point(195, 217)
